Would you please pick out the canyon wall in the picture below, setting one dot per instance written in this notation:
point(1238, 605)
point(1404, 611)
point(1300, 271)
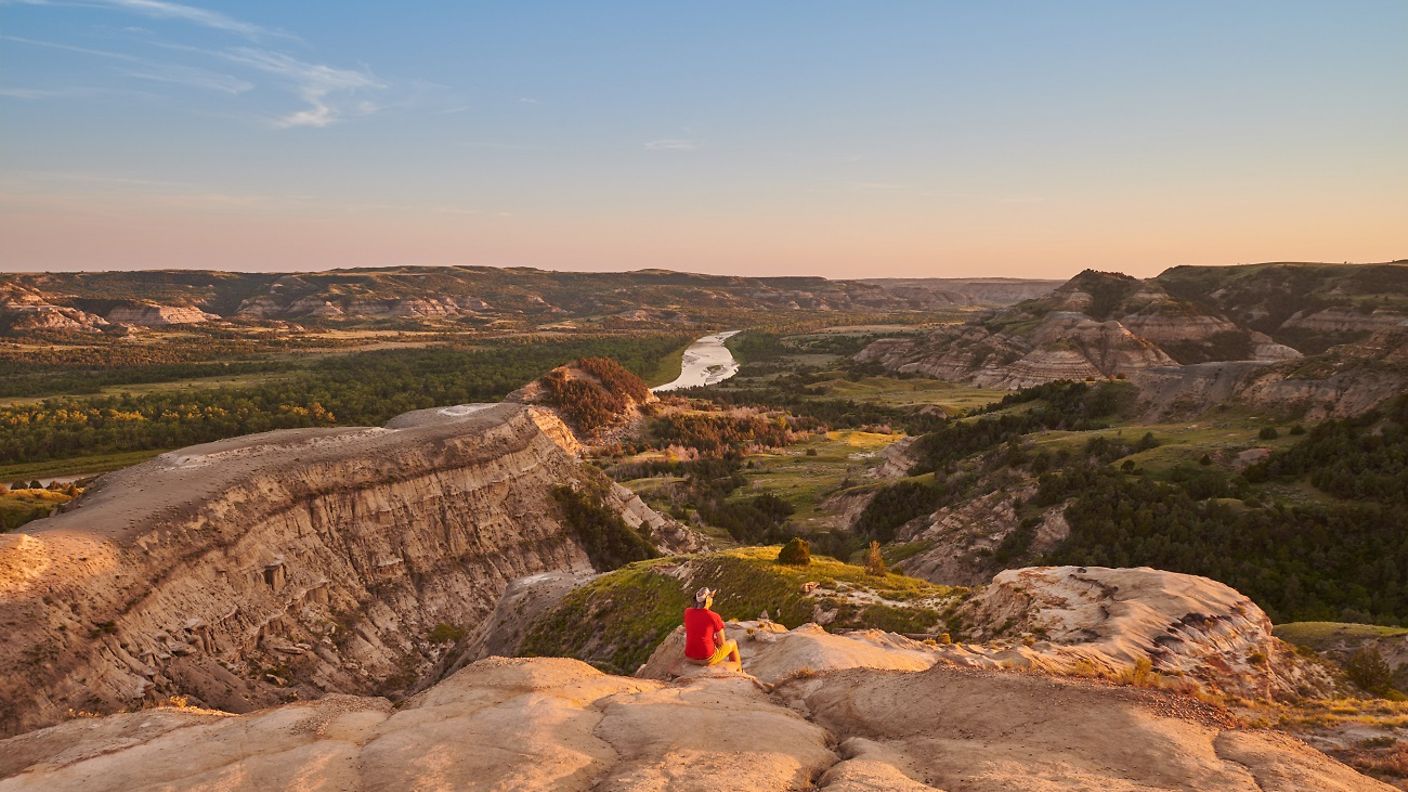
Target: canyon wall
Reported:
point(281, 566)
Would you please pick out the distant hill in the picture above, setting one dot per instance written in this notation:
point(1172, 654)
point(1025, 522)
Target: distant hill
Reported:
point(1192, 335)
point(474, 296)
point(1307, 306)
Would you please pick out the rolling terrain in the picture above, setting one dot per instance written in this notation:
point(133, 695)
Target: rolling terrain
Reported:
point(327, 601)
point(452, 296)
point(1332, 339)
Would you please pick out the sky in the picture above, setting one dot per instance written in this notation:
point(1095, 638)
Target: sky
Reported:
point(846, 139)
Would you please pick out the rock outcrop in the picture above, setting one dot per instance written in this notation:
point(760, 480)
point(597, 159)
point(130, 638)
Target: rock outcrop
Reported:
point(1103, 621)
point(957, 543)
point(154, 315)
point(1097, 325)
point(596, 397)
point(1346, 380)
point(25, 310)
point(1181, 347)
point(844, 714)
point(286, 565)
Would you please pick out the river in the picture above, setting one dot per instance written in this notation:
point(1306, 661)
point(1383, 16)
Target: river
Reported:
point(706, 362)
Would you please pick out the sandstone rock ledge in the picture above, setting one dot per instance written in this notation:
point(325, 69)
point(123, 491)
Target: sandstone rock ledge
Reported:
point(557, 724)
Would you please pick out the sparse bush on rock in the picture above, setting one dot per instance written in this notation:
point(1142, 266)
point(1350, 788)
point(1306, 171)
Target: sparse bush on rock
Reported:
point(796, 552)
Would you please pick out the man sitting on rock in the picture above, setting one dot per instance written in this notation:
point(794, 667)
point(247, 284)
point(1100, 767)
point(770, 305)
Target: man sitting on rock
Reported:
point(704, 641)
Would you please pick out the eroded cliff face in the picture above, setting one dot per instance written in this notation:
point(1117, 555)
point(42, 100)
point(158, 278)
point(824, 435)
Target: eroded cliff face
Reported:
point(1063, 345)
point(1347, 380)
point(282, 566)
point(153, 315)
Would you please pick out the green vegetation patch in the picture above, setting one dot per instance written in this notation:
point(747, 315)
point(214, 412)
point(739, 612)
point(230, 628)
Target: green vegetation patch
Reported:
point(20, 506)
point(910, 392)
point(362, 389)
point(809, 471)
point(605, 537)
point(618, 619)
point(1322, 634)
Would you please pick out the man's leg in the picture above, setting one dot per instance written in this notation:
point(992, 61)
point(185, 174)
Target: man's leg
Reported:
point(728, 650)
point(732, 647)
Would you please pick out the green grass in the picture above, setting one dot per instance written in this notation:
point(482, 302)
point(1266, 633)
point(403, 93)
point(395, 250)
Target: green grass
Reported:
point(805, 480)
point(73, 466)
point(1216, 434)
point(617, 620)
point(1318, 635)
point(903, 551)
point(667, 369)
point(919, 392)
point(20, 506)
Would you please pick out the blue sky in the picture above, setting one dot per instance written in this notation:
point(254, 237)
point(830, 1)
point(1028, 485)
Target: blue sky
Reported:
point(836, 138)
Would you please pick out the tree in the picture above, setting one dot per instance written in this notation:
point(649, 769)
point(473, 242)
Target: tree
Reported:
point(874, 562)
point(1368, 669)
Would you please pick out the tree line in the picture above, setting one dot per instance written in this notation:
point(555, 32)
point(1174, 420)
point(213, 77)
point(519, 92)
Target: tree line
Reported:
point(365, 388)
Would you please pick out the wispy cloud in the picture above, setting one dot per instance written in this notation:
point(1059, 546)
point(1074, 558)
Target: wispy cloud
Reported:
point(39, 93)
point(330, 93)
point(195, 78)
point(97, 53)
point(671, 144)
point(316, 83)
point(156, 71)
point(160, 9)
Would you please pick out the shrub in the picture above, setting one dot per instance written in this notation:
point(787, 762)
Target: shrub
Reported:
point(1368, 669)
point(1017, 542)
point(1141, 674)
point(1297, 430)
point(894, 506)
point(797, 552)
point(1268, 433)
point(446, 633)
point(874, 562)
point(1206, 460)
point(605, 537)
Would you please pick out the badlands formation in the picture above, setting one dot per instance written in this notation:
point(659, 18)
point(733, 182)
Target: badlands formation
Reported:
point(1174, 338)
point(267, 568)
point(262, 613)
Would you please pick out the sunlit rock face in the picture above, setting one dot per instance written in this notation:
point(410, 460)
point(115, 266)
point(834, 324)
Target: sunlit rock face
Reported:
point(1105, 620)
point(152, 315)
point(850, 713)
point(261, 569)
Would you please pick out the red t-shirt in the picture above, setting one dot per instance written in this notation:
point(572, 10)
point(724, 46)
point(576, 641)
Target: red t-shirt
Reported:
point(700, 624)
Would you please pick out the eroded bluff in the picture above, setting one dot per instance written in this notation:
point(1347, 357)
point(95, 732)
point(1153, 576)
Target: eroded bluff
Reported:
point(281, 566)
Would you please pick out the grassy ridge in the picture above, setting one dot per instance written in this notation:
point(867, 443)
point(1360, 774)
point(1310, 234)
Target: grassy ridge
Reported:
point(617, 620)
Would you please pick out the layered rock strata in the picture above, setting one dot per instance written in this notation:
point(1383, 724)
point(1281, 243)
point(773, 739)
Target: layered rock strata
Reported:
point(279, 566)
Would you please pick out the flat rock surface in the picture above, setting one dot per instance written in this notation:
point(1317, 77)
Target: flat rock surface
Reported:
point(551, 723)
